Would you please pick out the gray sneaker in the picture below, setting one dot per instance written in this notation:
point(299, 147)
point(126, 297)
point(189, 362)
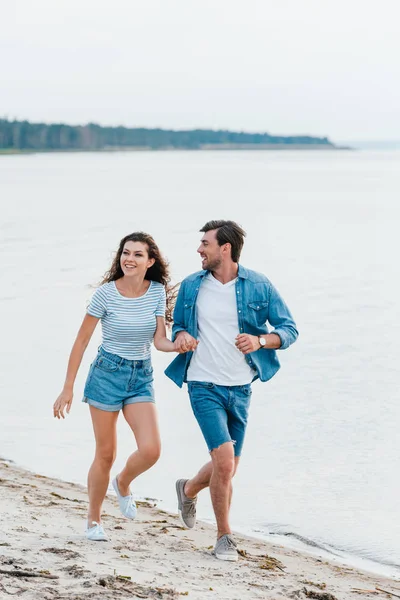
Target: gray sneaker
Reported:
point(226, 548)
point(186, 506)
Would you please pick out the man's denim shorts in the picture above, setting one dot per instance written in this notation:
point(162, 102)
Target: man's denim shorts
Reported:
point(221, 411)
point(113, 382)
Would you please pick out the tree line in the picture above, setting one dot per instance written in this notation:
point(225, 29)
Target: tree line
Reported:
point(23, 135)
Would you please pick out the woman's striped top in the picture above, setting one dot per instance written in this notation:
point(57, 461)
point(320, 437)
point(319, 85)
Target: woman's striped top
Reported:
point(128, 324)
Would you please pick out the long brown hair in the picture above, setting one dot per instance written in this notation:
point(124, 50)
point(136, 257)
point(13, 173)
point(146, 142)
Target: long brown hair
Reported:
point(159, 271)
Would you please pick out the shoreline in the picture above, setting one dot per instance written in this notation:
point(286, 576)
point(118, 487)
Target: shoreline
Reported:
point(289, 540)
point(44, 554)
point(203, 148)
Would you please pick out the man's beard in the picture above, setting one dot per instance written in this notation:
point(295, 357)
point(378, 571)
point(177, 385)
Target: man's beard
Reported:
point(212, 265)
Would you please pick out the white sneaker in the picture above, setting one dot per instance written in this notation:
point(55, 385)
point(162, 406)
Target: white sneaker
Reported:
point(95, 533)
point(126, 503)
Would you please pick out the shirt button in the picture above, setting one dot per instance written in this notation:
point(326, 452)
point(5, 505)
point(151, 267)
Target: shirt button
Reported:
point(258, 307)
point(239, 311)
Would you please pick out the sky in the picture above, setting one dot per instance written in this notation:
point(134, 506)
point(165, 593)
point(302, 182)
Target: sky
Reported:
point(318, 67)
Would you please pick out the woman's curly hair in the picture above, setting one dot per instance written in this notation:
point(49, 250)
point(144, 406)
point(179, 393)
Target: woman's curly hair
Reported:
point(157, 272)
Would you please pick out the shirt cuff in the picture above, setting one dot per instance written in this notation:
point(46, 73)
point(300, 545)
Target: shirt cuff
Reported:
point(176, 331)
point(282, 337)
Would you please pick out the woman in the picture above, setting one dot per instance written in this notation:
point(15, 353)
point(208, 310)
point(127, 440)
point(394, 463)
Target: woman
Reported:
point(131, 303)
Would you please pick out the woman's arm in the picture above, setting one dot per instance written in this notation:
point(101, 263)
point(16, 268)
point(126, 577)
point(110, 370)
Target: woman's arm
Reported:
point(85, 332)
point(161, 342)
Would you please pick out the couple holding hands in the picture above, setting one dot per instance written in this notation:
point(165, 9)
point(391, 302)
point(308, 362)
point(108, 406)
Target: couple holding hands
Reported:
point(221, 335)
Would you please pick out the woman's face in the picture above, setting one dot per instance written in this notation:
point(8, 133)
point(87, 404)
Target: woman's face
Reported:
point(135, 259)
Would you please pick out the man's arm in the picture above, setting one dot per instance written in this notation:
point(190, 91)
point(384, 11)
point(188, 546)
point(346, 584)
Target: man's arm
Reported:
point(179, 313)
point(184, 341)
point(248, 343)
point(284, 333)
point(280, 317)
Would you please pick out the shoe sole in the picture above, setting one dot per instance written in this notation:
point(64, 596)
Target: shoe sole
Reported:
point(225, 557)
point(184, 525)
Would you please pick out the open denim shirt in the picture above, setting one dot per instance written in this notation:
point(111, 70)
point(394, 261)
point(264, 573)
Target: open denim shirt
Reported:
point(258, 302)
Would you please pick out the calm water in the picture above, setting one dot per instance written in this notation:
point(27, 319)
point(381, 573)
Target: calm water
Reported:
point(321, 460)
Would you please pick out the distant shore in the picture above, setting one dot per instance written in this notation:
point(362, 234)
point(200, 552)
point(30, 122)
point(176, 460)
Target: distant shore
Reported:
point(27, 136)
point(44, 554)
point(205, 148)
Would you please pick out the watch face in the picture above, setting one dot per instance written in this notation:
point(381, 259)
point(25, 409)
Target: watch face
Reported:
point(262, 341)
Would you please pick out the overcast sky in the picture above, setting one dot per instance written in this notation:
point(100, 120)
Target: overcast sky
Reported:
point(323, 67)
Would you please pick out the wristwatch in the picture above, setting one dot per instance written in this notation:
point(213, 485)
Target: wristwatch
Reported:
point(262, 341)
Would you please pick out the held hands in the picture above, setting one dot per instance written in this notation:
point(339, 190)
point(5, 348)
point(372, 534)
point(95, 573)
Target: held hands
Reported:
point(63, 401)
point(247, 343)
point(185, 342)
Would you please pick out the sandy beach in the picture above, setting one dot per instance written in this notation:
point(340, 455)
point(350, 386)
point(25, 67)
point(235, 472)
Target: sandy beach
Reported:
point(44, 554)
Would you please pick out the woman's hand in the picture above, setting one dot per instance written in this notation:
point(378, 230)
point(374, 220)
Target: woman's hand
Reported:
point(184, 342)
point(63, 401)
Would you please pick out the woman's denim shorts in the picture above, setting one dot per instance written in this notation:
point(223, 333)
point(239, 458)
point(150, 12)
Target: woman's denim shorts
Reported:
point(113, 382)
point(221, 412)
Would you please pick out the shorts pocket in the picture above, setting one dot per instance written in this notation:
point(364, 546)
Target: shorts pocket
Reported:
point(246, 390)
point(201, 384)
point(148, 370)
point(105, 364)
point(89, 378)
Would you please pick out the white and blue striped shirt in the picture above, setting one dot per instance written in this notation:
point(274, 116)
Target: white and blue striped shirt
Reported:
point(128, 324)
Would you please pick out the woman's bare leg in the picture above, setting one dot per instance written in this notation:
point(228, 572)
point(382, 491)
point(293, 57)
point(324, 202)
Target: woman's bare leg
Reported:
point(105, 432)
point(142, 419)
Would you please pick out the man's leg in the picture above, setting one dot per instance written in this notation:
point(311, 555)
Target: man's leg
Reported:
point(210, 405)
point(223, 462)
point(187, 490)
point(217, 474)
point(202, 479)
point(224, 466)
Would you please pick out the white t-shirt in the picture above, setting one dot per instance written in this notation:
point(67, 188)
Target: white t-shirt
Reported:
point(128, 324)
point(216, 358)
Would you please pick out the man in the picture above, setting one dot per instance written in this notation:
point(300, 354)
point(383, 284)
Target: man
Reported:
point(220, 327)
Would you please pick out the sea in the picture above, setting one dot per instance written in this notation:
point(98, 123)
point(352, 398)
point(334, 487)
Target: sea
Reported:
point(320, 466)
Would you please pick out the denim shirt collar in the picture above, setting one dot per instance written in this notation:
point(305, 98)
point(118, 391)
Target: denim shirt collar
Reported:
point(242, 273)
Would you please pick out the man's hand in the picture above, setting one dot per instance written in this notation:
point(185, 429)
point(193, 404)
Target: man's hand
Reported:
point(247, 343)
point(185, 342)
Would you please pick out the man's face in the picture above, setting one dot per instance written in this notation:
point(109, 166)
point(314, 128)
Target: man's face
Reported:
point(210, 251)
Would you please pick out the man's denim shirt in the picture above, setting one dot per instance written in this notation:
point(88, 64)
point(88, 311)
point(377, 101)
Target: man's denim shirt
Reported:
point(258, 302)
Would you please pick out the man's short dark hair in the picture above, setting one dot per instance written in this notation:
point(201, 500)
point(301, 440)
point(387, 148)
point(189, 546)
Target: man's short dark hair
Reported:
point(228, 232)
